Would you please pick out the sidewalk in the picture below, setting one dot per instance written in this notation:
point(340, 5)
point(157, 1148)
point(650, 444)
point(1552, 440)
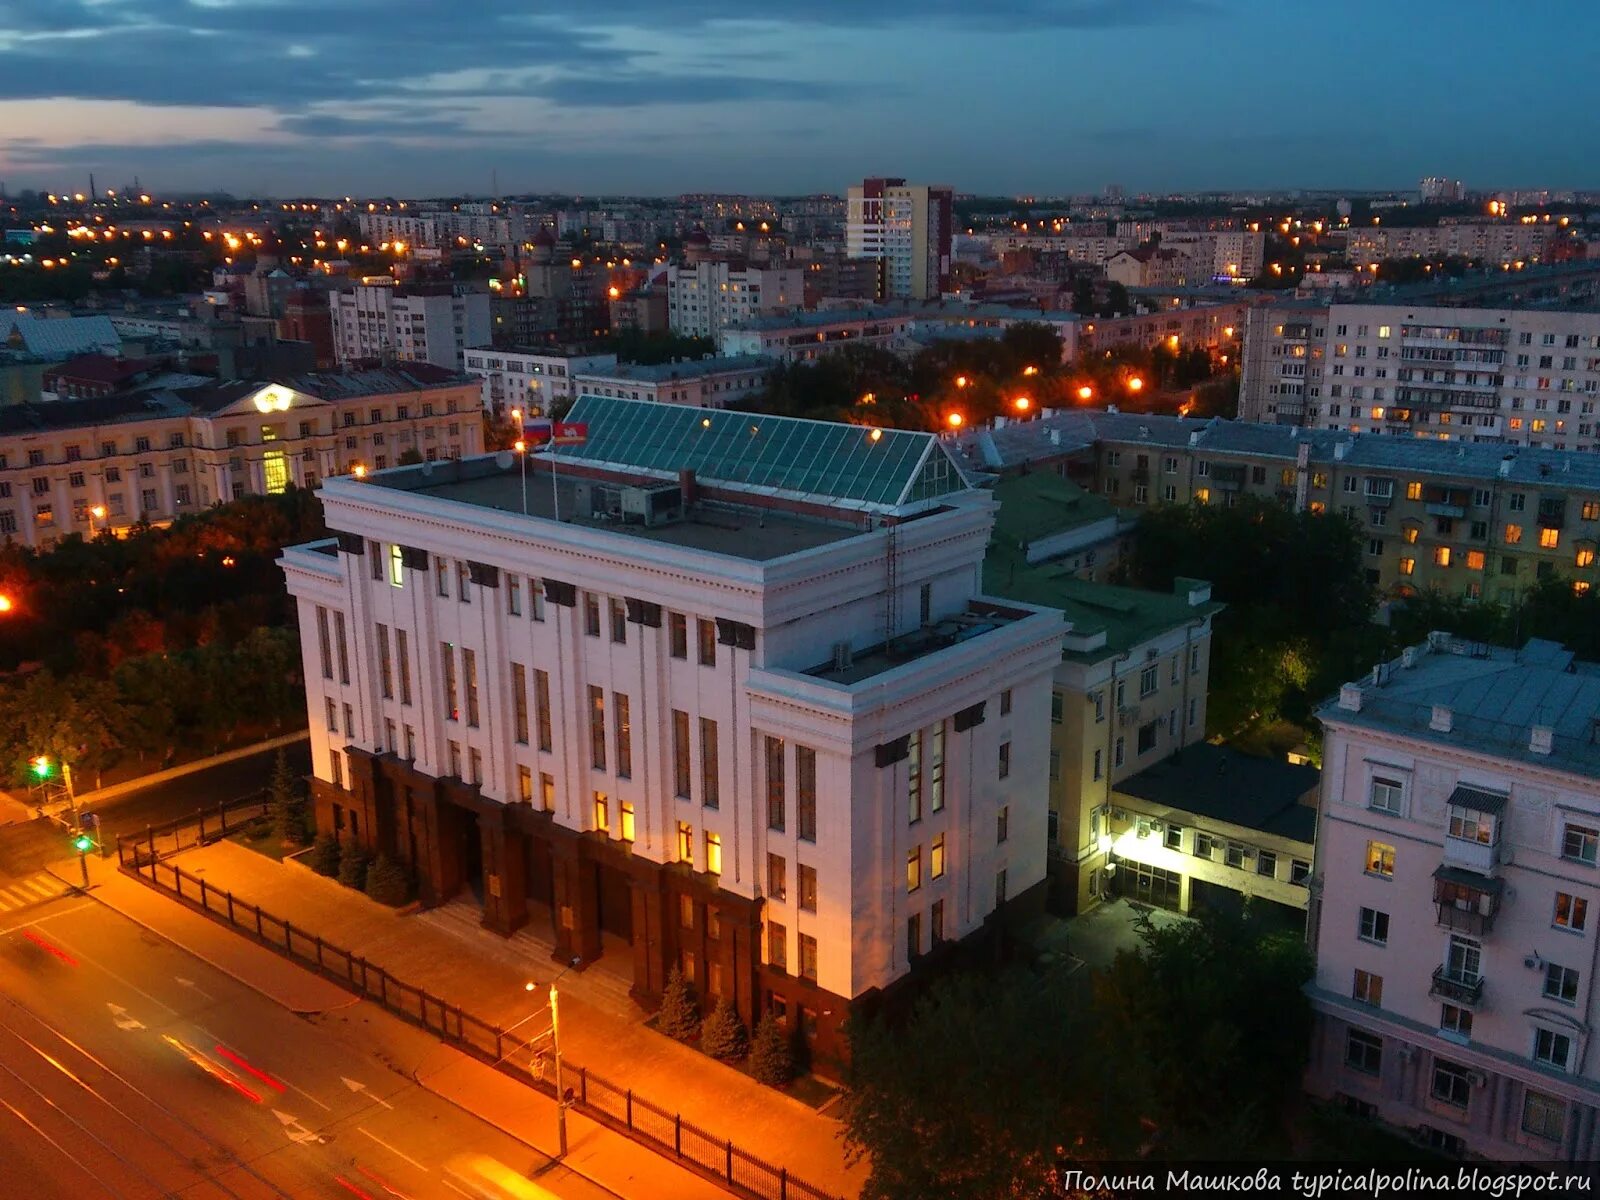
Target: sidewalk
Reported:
point(613, 1162)
point(15, 808)
point(431, 951)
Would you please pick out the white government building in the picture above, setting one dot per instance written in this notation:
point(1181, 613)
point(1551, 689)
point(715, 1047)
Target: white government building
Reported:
point(742, 708)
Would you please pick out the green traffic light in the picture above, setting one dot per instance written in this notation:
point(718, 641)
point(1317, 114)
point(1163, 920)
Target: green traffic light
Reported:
point(82, 842)
point(42, 767)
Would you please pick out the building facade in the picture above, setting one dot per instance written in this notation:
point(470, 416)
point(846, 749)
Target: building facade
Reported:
point(735, 711)
point(704, 382)
point(386, 322)
point(155, 455)
point(1516, 376)
point(1460, 784)
point(706, 297)
point(807, 336)
point(908, 228)
point(534, 380)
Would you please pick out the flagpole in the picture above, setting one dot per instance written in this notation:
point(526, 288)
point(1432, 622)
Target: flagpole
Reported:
point(555, 496)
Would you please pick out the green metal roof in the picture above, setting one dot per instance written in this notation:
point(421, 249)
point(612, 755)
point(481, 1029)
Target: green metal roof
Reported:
point(841, 463)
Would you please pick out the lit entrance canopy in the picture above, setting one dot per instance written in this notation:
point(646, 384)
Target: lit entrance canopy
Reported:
point(848, 466)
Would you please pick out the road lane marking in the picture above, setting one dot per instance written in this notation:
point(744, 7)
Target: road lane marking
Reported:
point(457, 1188)
point(294, 1131)
point(397, 1153)
point(194, 987)
point(122, 1019)
point(107, 970)
point(75, 1159)
point(9, 929)
point(356, 1086)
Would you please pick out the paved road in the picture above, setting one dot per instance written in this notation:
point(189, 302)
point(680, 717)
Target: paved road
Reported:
point(130, 1069)
point(28, 846)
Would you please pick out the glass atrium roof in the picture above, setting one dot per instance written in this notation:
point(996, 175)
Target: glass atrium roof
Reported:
point(849, 465)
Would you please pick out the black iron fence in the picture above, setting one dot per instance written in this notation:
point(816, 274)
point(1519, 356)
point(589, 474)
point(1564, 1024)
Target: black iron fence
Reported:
point(620, 1108)
point(206, 826)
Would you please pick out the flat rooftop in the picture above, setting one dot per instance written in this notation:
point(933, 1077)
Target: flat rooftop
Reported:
point(976, 620)
point(751, 533)
point(1225, 785)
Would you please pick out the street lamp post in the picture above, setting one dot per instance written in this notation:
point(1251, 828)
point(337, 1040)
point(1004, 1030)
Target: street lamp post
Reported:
point(555, 1048)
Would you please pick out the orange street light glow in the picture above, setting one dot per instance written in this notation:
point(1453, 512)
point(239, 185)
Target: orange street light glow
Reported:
point(519, 445)
point(1023, 403)
point(5, 603)
point(875, 436)
point(1135, 384)
point(955, 420)
point(1030, 370)
point(961, 381)
point(358, 471)
point(1085, 392)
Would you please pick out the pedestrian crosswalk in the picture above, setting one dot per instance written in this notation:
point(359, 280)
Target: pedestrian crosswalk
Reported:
point(25, 893)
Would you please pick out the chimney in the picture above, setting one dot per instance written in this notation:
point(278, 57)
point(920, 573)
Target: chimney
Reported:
point(1541, 740)
point(686, 488)
point(1350, 697)
point(1442, 720)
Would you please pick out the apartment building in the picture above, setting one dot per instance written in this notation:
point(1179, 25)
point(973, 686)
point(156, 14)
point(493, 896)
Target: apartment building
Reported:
point(1215, 326)
point(1478, 521)
point(1506, 243)
point(377, 321)
point(1154, 266)
point(155, 454)
point(704, 382)
point(729, 700)
point(1519, 376)
point(704, 298)
point(807, 336)
point(1460, 782)
point(908, 228)
point(534, 380)
point(1209, 828)
point(412, 228)
point(1130, 686)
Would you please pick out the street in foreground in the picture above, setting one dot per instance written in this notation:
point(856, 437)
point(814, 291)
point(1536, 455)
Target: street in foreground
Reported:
point(129, 1068)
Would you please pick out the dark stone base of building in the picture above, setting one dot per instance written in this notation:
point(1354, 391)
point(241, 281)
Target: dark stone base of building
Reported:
point(583, 890)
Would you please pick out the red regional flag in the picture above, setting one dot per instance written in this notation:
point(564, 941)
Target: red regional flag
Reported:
point(570, 433)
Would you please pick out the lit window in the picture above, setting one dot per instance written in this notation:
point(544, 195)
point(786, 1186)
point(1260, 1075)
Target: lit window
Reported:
point(1441, 556)
point(1408, 566)
point(1413, 489)
point(1549, 539)
point(1585, 557)
point(1380, 860)
point(1368, 988)
point(602, 813)
point(1475, 560)
point(686, 842)
point(714, 853)
point(1513, 534)
point(627, 821)
point(1571, 912)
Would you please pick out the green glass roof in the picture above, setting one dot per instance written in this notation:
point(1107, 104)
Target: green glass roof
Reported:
point(843, 463)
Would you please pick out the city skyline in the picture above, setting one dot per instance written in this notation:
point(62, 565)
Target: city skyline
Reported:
point(283, 98)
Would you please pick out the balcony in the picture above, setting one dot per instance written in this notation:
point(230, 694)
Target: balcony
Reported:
point(1552, 514)
point(1457, 988)
point(1465, 900)
point(1445, 501)
point(1380, 498)
point(1227, 478)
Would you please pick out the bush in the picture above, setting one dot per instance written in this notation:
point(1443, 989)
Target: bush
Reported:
point(387, 882)
point(352, 865)
point(722, 1034)
point(771, 1056)
point(325, 855)
point(678, 1017)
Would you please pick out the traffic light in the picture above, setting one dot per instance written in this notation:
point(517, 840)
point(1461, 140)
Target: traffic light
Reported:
point(82, 842)
point(43, 768)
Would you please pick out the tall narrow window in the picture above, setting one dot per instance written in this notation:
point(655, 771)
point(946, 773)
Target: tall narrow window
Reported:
point(344, 647)
point(397, 567)
point(447, 656)
point(680, 753)
point(936, 770)
point(686, 843)
point(914, 778)
point(936, 857)
point(469, 672)
point(463, 582)
point(602, 813)
point(619, 622)
point(514, 595)
point(624, 729)
point(597, 728)
point(402, 662)
point(524, 783)
point(385, 672)
point(707, 632)
point(678, 631)
point(710, 793)
point(776, 798)
point(627, 830)
point(547, 792)
point(777, 877)
point(519, 702)
point(713, 853)
point(1005, 758)
point(591, 615)
point(536, 599)
point(441, 576)
point(541, 707)
point(805, 791)
point(324, 645)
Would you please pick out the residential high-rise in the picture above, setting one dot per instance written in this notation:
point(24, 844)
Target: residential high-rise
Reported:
point(906, 227)
point(1462, 783)
point(730, 697)
point(704, 298)
point(423, 322)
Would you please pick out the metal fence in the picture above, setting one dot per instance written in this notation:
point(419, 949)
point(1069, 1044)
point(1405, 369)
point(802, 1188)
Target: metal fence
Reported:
point(206, 826)
point(620, 1108)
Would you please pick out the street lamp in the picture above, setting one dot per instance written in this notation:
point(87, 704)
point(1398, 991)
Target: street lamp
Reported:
point(1135, 384)
point(955, 420)
point(1022, 404)
point(5, 603)
point(1085, 392)
point(97, 513)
